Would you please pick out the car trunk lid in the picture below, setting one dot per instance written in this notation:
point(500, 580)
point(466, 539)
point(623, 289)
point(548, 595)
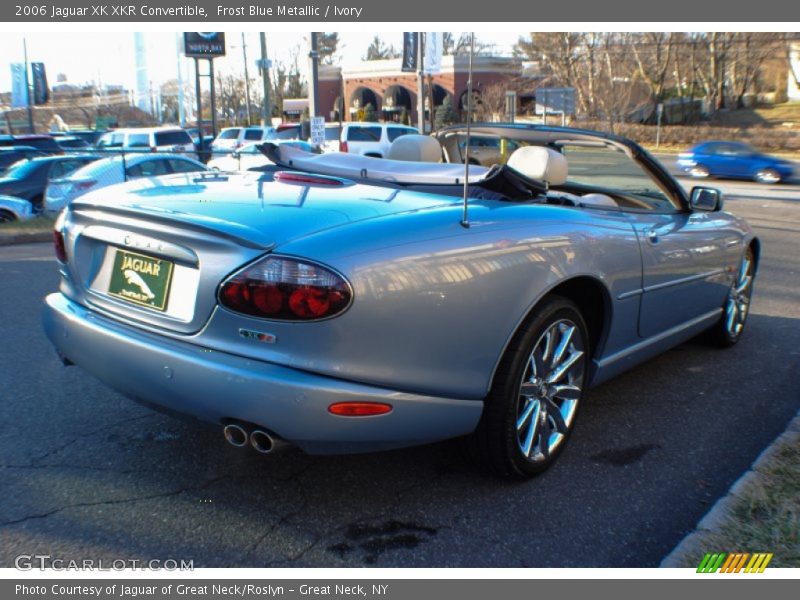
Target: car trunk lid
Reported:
point(156, 251)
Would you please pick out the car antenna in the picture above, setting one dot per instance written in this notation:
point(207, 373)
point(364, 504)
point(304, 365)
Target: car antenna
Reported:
point(465, 215)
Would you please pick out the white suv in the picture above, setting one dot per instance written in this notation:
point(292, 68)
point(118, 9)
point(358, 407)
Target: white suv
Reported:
point(371, 139)
point(149, 139)
point(231, 138)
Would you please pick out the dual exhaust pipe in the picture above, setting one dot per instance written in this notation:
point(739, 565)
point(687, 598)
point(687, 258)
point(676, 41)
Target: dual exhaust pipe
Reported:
point(261, 441)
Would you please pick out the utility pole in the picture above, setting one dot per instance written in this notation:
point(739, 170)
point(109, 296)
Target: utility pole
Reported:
point(246, 80)
point(313, 86)
point(181, 100)
point(27, 87)
point(198, 96)
point(267, 108)
point(420, 84)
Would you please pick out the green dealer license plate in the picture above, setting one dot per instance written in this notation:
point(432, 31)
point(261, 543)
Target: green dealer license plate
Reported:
point(141, 279)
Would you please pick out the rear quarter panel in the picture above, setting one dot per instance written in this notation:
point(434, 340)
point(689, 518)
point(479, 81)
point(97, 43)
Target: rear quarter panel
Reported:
point(435, 304)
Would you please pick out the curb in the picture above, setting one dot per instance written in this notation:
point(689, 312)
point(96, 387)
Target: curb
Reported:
point(722, 508)
point(25, 238)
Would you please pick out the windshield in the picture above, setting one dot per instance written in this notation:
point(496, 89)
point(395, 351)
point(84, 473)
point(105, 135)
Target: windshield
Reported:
point(608, 167)
point(592, 167)
point(95, 169)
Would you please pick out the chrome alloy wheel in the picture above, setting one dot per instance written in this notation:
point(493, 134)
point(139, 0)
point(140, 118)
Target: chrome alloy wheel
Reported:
point(551, 387)
point(738, 304)
point(768, 176)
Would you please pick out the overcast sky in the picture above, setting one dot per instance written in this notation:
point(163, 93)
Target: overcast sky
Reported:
point(109, 57)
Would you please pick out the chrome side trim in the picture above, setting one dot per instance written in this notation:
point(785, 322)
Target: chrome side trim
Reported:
point(688, 279)
point(636, 348)
point(630, 294)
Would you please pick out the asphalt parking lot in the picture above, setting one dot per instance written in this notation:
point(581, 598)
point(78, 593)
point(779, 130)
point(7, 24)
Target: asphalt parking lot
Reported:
point(88, 474)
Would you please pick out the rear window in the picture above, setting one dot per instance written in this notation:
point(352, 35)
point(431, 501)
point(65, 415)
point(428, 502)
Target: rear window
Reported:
point(46, 144)
point(332, 133)
point(252, 134)
point(363, 134)
point(97, 168)
point(9, 158)
point(178, 165)
point(148, 168)
point(229, 134)
point(172, 138)
point(289, 133)
point(395, 132)
point(138, 140)
point(111, 140)
point(72, 143)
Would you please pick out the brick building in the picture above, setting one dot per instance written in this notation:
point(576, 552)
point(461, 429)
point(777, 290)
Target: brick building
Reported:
point(393, 93)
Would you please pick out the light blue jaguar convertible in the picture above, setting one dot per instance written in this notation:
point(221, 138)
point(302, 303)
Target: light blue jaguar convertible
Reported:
point(350, 304)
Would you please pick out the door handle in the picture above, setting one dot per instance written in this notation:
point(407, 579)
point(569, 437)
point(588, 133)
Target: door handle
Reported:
point(652, 236)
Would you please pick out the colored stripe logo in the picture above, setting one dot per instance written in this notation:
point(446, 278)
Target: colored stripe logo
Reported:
point(738, 562)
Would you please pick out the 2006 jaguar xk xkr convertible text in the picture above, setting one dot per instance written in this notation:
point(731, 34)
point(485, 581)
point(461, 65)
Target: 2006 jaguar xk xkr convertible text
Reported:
point(347, 307)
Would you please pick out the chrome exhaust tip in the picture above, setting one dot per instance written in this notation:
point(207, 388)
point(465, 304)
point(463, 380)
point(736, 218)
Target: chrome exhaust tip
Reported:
point(235, 435)
point(261, 441)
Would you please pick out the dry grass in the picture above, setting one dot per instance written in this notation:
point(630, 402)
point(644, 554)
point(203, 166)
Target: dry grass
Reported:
point(765, 516)
point(35, 225)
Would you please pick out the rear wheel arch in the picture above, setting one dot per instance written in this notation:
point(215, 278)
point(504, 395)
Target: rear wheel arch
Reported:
point(755, 246)
point(594, 302)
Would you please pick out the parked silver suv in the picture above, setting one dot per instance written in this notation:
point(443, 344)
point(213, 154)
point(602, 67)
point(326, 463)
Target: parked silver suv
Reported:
point(371, 139)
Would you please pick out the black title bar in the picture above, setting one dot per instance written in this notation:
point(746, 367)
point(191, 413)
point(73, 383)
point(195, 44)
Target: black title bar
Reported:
point(593, 11)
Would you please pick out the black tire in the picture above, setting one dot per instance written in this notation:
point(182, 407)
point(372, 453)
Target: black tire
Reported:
point(496, 443)
point(7, 216)
point(722, 334)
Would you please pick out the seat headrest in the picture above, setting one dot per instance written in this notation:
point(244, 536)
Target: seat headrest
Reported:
point(415, 148)
point(539, 163)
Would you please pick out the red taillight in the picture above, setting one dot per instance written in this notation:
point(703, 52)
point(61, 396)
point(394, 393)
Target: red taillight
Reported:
point(82, 186)
point(343, 147)
point(304, 179)
point(60, 247)
point(286, 289)
point(359, 409)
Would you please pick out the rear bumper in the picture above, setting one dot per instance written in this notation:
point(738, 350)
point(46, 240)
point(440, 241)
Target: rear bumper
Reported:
point(213, 386)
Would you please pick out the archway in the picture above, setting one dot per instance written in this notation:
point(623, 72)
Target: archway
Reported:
point(360, 98)
point(397, 104)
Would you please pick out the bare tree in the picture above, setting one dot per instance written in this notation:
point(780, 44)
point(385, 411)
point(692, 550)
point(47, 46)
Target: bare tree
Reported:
point(653, 52)
point(378, 50)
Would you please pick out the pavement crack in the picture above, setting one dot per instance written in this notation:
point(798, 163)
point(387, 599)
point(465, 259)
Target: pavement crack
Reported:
point(81, 436)
point(112, 502)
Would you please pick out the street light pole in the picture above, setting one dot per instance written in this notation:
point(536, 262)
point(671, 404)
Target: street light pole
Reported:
point(420, 85)
point(246, 80)
point(27, 87)
point(313, 91)
point(267, 108)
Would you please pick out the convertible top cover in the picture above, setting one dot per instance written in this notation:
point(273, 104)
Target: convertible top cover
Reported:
point(498, 182)
point(354, 166)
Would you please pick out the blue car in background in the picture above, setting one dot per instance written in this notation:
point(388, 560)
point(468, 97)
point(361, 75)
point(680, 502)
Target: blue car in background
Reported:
point(736, 160)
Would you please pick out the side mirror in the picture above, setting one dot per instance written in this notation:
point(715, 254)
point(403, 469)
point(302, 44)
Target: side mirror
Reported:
point(706, 199)
point(235, 154)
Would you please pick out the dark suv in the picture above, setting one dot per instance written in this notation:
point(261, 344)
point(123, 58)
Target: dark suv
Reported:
point(44, 143)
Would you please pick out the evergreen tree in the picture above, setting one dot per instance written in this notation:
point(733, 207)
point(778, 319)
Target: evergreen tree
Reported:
point(445, 114)
point(327, 44)
point(378, 50)
point(369, 113)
